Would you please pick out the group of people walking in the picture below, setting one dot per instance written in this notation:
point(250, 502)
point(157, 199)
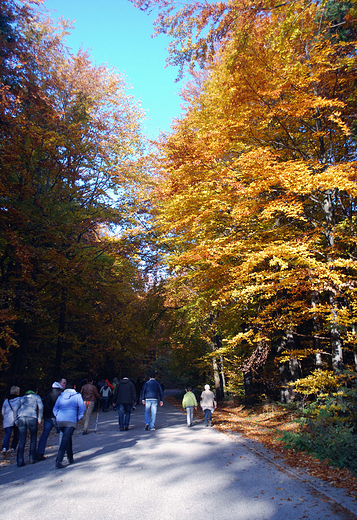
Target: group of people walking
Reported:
point(63, 407)
point(208, 404)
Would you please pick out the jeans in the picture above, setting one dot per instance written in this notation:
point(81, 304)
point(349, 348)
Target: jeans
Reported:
point(87, 415)
point(150, 412)
point(24, 423)
point(48, 424)
point(124, 408)
point(208, 416)
point(66, 444)
point(189, 412)
point(105, 401)
point(7, 435)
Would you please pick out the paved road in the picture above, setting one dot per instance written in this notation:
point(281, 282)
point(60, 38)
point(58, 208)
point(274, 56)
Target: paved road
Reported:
point(174, 473)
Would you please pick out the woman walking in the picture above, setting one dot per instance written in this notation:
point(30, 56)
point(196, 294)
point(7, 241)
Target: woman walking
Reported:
point(208, 404)
point(28, 411)
point(8, 424)
point(68, 410)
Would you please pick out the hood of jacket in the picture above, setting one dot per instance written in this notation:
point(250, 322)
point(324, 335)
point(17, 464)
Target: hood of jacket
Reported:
point(67, 394)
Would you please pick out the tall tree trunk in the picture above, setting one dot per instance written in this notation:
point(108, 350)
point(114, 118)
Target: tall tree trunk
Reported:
point(60, 338)
point(248, 388)
point(217, 383)
point(290, 371)
point(337, 352)
point(22, 330)
point(318, 356)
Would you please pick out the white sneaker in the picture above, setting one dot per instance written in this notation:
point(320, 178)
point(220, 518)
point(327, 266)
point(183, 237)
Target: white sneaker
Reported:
point(4, 450)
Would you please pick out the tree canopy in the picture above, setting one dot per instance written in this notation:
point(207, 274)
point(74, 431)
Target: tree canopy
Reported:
point(70, 143)
point(256, 184)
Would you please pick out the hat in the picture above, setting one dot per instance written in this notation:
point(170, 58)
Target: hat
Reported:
point(14, 390)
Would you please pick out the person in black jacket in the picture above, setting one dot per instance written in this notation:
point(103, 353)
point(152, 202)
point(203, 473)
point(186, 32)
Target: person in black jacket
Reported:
point(124, 398)
point(49, 419)
point(150, 395)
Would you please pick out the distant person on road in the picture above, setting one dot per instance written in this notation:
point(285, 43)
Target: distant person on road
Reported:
point(9, 426)
point(90, 396)
point(138, 387)
point(28, 411)
point(189, 402)
point(123, 399)
point(49, 421)
point(151, 394)
point(208, 404)
point(105, 393)
point(68, 410)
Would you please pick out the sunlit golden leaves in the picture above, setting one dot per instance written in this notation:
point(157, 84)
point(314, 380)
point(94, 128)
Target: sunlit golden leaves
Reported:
point(255, 197)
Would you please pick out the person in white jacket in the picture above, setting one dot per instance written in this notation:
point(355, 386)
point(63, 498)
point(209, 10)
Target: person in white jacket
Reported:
point(208, 404)
point(68, 410)
point(28, 411)
point(9, 426)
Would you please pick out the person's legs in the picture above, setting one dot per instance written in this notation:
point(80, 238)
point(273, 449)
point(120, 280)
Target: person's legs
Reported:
point(15, 438)
point(105, 404)
point(210, 417)
point(47, 427)
point(121, 411)
point(189, 412)
point(66, 444)
point(70, 447)
point(6, 439)
point(22, 425)
point(127, 408)
point(206, 416)
point(87, 416)
point(147, 412)
point(32, 424)
point(153, 413)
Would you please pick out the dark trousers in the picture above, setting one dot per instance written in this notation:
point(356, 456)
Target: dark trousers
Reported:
point(15, 437)
point(24, 423)
point(48, 424)
point(66, 444)
point(124, 412)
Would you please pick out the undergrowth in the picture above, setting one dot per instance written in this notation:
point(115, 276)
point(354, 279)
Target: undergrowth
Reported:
point(327, 429)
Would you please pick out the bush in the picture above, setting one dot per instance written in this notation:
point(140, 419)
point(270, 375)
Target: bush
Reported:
point(328, 430)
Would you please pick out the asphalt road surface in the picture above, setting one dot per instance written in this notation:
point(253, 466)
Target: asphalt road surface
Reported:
point(173, 473)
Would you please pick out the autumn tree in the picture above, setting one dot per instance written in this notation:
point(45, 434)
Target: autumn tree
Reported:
point(256, 193)
point(70, 137)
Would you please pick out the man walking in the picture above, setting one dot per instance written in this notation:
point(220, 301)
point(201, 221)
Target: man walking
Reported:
point(90, 397)
point(49, 419)
point(124, 398)
point(150, 395)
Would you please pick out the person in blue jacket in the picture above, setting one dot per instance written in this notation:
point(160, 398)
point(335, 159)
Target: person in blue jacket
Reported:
point(151, 394)
point(68, 410)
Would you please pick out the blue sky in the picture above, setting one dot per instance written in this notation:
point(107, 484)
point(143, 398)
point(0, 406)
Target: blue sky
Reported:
point(117, 33)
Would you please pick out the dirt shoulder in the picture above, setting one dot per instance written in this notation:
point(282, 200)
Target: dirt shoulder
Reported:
point(263, 424)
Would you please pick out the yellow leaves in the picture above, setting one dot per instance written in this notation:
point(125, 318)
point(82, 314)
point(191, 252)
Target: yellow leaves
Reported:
point(319, 381)
point(275, 261)
point(299, 354)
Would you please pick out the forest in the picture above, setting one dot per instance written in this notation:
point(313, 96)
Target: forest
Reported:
point(224, 252)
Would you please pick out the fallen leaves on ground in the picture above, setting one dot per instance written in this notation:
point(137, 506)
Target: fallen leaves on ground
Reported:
point(263, 424)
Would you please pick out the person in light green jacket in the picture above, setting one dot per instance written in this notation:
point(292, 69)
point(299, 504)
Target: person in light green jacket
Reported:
point(189, 402)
